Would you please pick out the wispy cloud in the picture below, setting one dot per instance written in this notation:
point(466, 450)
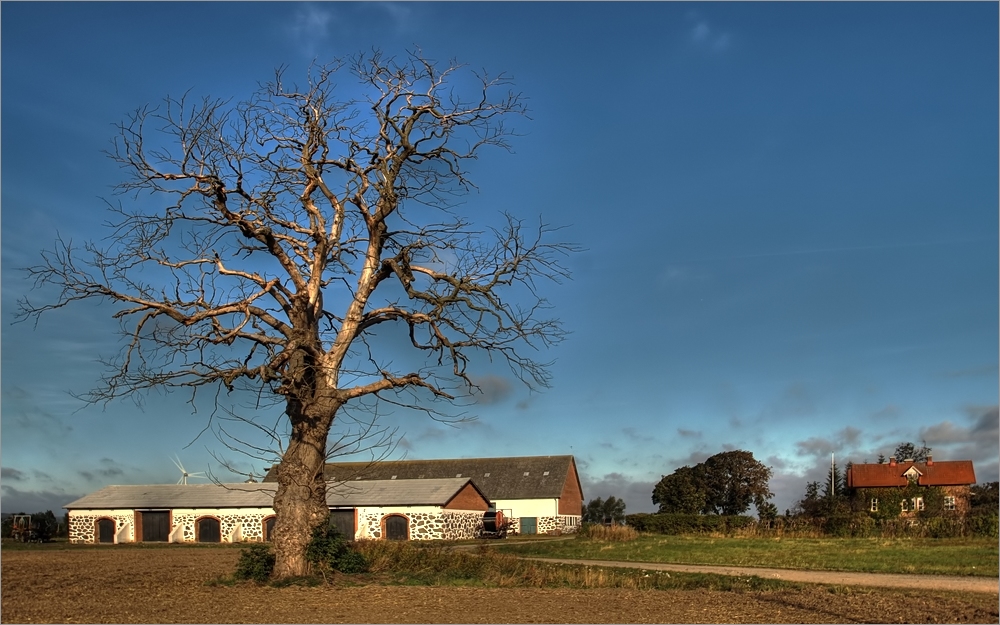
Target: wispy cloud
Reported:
point(707, 36)
point(9, 473)
point(492, 389)
point(310, 27)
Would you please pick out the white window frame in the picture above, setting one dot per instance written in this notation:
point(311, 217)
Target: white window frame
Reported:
point(918, 503)
point(949, 502)
point(904, 505)
point(874, 506)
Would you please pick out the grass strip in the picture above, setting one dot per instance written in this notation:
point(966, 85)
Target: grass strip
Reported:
point(929, 556)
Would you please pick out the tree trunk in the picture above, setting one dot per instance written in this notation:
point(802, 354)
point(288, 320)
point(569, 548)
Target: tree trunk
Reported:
point(300, 502)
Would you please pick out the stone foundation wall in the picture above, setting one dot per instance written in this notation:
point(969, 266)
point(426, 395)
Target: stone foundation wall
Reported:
point(549, 524)
point(249, 522)
point(425, 525)
point(83, 524)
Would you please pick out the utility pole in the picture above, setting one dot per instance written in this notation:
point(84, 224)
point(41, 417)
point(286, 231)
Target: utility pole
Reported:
point(833, 476)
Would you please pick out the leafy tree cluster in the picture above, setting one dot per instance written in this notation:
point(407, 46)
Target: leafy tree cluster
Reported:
point(832, 499)
point(610, 510)
point(907, 450)
point(985, 499)
point(727, 483)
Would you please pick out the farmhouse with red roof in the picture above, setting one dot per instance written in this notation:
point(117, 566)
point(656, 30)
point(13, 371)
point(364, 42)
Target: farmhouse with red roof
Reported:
point(951, 479)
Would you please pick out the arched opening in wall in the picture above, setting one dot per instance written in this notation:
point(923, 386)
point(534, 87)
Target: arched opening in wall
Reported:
point(105, 530)
point(208, 530)
point(269, 528)
point(397, 527)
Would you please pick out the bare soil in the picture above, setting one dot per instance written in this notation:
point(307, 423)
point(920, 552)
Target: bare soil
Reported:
point(168, 585)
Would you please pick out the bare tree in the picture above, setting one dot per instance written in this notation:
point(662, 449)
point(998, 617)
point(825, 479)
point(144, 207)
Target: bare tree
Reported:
point(298, 225)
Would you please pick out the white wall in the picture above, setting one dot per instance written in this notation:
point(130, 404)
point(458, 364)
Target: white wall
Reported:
point(529, 507)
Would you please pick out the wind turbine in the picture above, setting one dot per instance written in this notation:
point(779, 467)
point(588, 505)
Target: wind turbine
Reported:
point(184, 474)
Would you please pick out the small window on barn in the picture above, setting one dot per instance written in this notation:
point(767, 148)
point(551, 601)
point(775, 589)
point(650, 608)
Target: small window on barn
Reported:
point(545, 472)
point(904, 506)
point(526, 473)
point(874, 506)
point(949, 503)
point(918, 503)
point(486, 474)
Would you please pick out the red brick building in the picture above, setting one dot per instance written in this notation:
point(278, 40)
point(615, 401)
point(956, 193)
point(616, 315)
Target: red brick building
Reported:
point(952, 477)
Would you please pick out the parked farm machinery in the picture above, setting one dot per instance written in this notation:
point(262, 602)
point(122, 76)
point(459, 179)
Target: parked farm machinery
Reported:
point(26, 531)
point(496, 524)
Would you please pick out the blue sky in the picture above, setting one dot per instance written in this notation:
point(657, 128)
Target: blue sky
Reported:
point(789, 216)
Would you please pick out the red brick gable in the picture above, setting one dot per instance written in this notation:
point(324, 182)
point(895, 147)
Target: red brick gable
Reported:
point(938, 473)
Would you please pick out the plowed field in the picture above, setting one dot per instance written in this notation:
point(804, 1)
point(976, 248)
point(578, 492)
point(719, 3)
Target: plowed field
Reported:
point(168, 585)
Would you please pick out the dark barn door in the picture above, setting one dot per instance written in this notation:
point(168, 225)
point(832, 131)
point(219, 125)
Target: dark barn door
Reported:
point(397, 528)
point(343, 520)
point(269, 529)
point(106, 531)
point(156, 526)
point(209, 530)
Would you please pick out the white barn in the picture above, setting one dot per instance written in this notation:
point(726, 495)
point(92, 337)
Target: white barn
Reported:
point(450, 508)
point(538, 494)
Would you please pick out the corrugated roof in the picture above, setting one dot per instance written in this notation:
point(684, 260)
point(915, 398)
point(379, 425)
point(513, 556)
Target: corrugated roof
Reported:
point(939, 473)
point(432, 492)
point(525, 477)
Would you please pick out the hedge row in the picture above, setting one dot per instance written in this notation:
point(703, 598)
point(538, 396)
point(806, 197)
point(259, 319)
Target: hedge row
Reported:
point(687, 523)
point(858, 525)
point(862, 526)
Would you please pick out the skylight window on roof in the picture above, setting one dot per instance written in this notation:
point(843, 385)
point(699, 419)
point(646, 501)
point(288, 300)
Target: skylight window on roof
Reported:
point(458, 475)
point(545, 472)
point(486, 474)
point(526, 473)
point(393, 477)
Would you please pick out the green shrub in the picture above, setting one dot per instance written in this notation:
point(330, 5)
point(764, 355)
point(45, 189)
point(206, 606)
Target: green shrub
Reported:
point(329, 551)
point(256, 563)
point(987, 525)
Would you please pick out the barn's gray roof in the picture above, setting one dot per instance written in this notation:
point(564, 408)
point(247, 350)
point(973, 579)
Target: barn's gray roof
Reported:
point(526, 477)
point(436, 492)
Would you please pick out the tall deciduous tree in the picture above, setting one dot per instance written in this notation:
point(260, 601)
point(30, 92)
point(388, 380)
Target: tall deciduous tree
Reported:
point(681, 492)
point(726, 483)
point(269, 241)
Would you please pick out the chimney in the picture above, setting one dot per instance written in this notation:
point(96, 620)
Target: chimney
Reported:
point(930, 460)
point(892, 461)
